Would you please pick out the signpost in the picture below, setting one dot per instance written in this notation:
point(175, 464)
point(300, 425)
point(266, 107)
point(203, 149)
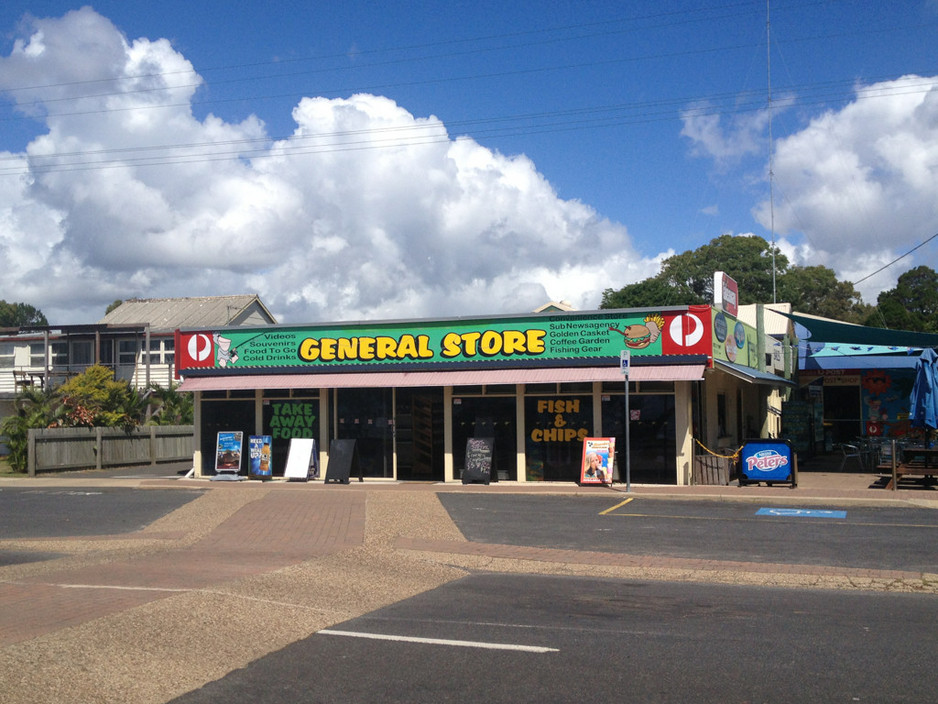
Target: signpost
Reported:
point(625, 361)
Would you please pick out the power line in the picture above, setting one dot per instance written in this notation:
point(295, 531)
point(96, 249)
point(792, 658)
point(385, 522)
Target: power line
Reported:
point(903, 256)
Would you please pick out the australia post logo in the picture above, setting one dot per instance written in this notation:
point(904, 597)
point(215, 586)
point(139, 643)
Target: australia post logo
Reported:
point(765, 461)
point(195, 350)
point(688, 333)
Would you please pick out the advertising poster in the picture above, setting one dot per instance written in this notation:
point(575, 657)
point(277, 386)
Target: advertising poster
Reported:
point(228, 451)
point(259, 454)
point(598, 456)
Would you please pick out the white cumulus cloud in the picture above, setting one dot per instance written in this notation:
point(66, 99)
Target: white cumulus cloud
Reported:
point(364, 211)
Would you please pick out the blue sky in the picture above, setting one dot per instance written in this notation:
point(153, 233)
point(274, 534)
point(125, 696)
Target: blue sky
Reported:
point(385, 160)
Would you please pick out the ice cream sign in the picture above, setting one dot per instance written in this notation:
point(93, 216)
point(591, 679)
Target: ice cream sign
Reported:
point(766, 461)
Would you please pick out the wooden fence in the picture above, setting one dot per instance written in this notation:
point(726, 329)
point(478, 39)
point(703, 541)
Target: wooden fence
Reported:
point(96, 448)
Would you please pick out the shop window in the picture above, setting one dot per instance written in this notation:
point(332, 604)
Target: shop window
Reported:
point(6, 355)
point(577, 388)
point(652, 444)
point(540, 388)
point(468, 390)
point(284, 420)
point(500, 390)
point(656, 387)
point(554, 429)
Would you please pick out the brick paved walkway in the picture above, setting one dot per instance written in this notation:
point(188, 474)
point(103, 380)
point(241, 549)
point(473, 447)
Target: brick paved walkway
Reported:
point(280, 528)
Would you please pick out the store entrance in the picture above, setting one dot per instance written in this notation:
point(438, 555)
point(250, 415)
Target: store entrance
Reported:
point(366, 416)
point(486, 417)
point(418, 427)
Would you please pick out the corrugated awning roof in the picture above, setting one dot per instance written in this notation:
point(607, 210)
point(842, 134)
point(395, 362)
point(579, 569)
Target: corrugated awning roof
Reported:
point(751, 375)
point(668, 372)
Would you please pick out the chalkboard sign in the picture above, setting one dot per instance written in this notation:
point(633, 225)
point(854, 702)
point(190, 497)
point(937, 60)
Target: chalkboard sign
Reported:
point(479, 460)
point(343, 460)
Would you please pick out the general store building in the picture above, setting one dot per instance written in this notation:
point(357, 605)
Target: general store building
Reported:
point(411, 393)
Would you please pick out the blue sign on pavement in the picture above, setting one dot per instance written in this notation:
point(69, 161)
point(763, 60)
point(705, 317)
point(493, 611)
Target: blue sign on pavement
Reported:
point(801, 512)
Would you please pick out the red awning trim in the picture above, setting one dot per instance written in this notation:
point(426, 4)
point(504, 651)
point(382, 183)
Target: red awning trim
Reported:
point(665, 372)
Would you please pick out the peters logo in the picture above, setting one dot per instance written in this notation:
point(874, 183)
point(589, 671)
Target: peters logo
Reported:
point(197, 350)
point(688, 333)
point(765, 461)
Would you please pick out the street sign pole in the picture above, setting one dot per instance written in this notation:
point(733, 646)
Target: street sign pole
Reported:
point(625, 359)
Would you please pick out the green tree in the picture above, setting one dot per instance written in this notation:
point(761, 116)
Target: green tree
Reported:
point(815, 290)
point(687, 278)
point(95, 398)
point(911, 305)
point(648, 293)
point(747, 259)
point(15, 315)
point(114, 305)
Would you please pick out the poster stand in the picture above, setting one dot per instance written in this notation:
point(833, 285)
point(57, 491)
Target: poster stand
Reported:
point(598, 462)
point(259, 457)
point(302, 460)
point(228, 456)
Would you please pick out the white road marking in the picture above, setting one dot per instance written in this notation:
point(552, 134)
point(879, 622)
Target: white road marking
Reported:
point(442, 641)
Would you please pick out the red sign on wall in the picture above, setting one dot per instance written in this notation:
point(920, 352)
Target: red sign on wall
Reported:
point(688, 333)
point(195, 350)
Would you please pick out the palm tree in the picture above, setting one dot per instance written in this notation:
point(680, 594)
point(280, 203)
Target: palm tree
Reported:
point(33, 408)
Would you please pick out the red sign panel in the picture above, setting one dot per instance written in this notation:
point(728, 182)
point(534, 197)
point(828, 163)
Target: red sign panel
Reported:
point(688, 333)
point(195, 350)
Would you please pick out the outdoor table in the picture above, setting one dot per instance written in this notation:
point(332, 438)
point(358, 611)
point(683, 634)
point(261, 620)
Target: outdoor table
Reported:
point(914, 462)
point(926, 456)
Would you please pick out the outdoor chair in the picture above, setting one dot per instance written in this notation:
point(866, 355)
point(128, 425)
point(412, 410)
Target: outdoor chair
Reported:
point(850, 452)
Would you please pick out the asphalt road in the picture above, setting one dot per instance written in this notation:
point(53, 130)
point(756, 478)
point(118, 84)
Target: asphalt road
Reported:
point(68, 512)
point(607, 640)
point(904, 538)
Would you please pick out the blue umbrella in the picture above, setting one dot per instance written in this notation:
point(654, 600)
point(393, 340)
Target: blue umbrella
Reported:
point(924, 399)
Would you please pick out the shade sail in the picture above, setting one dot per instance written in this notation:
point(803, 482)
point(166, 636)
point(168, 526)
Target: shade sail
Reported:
point(827, 330)
point(664, 372)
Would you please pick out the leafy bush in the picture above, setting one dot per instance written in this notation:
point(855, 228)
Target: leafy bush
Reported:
point(91, 399)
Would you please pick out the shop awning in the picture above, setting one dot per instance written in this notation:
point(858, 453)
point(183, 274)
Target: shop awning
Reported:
point(663, 372)
point(753, 376)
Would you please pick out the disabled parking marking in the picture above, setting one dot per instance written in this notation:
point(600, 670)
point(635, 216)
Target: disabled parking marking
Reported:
point(801, 512)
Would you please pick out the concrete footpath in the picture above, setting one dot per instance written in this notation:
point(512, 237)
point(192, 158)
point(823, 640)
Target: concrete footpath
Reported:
point(249, 567)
